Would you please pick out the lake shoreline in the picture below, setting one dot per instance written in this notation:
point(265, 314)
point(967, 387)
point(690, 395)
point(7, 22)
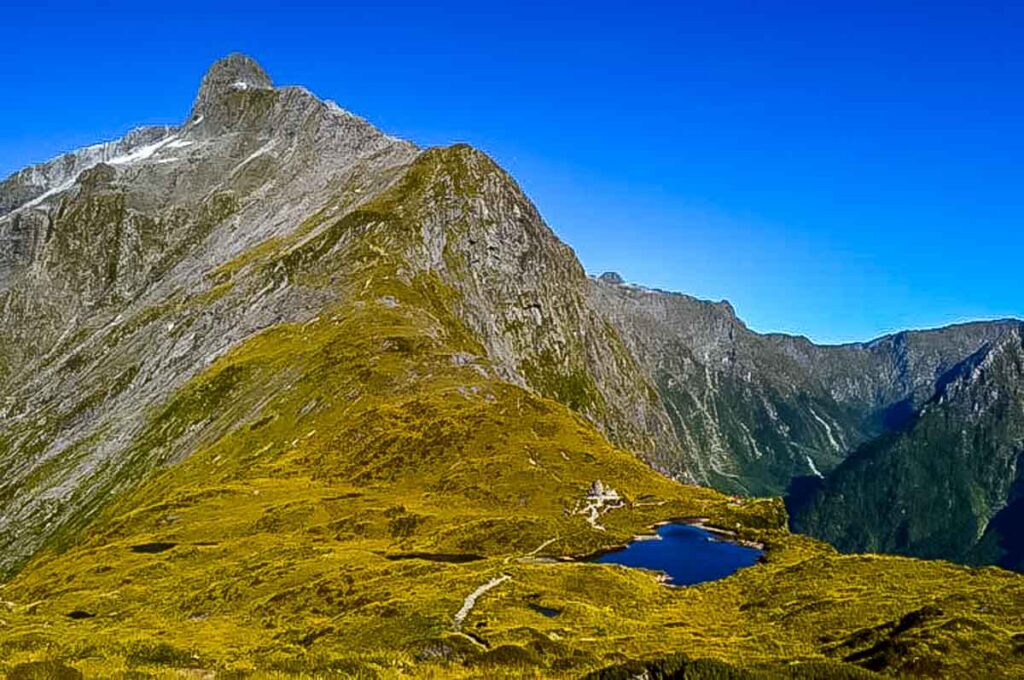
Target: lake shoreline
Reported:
point(705, 567)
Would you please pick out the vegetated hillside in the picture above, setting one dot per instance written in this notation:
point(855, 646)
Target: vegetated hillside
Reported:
point(757, 411)
point(334, 405)
point(116, 287)
point(131, 267)
point(908, 444)
point(947, 483)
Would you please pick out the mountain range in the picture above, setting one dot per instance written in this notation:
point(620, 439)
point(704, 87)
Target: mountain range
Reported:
point(280, 390)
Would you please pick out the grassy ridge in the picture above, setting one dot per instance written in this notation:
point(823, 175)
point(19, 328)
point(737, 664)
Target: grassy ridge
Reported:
point(361, 475)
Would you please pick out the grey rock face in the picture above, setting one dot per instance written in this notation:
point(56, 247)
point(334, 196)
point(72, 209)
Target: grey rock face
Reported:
point(235, 73)
point(611, 277)
point(525, 295)
point(32, 186)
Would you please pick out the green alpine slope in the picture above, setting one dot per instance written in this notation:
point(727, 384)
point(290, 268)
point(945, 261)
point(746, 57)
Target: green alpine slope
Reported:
point(334, 406)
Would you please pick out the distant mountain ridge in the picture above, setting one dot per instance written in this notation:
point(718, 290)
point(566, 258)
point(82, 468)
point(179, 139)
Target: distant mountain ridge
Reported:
point(767, 414)
point(944, 483)
point(710, 364)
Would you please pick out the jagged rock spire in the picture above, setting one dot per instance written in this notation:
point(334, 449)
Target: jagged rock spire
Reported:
point(232, 73)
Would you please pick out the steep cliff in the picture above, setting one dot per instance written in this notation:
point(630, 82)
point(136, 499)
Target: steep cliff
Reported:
point(936, 486)
point(757, 411)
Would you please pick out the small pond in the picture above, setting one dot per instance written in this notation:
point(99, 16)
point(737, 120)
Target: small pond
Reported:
point(687, 553)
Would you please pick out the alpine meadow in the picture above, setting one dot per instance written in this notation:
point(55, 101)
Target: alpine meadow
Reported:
point(282, 395)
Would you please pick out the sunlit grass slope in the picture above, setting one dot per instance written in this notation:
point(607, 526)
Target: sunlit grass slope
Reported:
point(368, 471)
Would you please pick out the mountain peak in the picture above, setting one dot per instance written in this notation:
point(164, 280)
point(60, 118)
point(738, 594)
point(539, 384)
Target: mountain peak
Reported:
point(233, 73)
point(612, 277)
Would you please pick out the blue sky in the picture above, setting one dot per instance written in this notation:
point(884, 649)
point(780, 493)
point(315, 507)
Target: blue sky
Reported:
point(838, 170)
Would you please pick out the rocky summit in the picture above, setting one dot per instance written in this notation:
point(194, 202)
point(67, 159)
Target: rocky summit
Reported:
point(283, 395)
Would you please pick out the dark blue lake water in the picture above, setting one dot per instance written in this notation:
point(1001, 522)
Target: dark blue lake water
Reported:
point(688, 554)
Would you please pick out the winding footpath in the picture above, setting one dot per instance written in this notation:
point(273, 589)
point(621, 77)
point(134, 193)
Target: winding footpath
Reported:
point(470, 601)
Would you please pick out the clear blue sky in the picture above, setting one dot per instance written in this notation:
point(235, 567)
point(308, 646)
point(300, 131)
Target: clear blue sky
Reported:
point(835, 169)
